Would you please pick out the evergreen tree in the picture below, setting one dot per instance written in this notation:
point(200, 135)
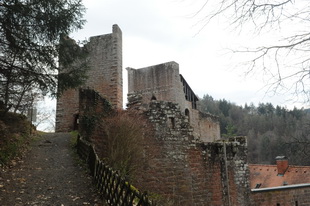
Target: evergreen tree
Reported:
point(271, 131)
point(30, 33)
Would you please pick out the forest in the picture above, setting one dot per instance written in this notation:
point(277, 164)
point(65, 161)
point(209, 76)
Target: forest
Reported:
point(271, 130)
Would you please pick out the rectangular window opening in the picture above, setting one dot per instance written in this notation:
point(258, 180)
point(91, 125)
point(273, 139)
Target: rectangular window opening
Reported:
point(172, 122)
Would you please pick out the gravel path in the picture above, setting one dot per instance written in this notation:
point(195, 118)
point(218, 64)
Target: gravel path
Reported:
point(50, 174)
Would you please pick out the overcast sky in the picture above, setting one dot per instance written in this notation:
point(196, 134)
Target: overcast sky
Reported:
point(158, 31)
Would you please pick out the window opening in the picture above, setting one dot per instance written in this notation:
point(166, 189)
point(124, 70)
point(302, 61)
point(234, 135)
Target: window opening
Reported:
point(76, 122)
point(172, 122)
point(187, 114)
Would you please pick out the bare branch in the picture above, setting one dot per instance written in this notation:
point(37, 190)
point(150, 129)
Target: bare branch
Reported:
point(286, 62)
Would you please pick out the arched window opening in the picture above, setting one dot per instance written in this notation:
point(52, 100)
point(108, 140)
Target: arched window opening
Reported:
point(187, 114)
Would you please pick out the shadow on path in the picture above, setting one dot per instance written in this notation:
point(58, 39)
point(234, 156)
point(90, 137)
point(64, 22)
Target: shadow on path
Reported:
point(48, 175)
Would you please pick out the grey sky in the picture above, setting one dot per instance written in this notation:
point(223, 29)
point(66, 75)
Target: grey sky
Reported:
point(157, 31)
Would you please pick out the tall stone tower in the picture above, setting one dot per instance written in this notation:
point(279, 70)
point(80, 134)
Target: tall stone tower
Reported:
point(104, 76)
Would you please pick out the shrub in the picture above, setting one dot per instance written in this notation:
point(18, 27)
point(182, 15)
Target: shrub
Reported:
point(124, 133)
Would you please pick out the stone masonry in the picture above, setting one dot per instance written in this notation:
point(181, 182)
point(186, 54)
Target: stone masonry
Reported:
point(185, 170)
point(163, 82)
point(104, 76)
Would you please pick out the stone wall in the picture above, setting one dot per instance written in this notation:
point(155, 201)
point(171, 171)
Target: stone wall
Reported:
point(163, 82)
point(206, 126)
point(104, 76)
point(285, 197)
point(67, 109)
point(92, 109)
point(186, 171)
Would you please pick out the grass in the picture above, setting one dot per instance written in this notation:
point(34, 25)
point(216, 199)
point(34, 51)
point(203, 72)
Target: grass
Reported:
point(73, 140)
point(73, 146)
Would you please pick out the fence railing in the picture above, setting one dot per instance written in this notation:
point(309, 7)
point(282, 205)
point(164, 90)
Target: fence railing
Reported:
point(113, 187)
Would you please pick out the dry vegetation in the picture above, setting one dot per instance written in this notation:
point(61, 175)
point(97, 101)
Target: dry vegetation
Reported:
point(124, 140)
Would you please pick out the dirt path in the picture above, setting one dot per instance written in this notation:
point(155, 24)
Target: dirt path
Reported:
point(48, 175)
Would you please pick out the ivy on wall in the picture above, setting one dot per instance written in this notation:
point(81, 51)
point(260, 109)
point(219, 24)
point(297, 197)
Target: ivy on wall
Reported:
point(92, 109)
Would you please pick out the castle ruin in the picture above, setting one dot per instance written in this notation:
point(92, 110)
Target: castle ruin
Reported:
point(104, 76)
point(186, 161)
point(163, 82)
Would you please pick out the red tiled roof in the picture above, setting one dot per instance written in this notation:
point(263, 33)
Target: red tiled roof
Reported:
point(267, 176)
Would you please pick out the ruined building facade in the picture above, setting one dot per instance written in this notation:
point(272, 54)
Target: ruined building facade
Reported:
point(186, 162)
point(163, 82)
point(104, 76)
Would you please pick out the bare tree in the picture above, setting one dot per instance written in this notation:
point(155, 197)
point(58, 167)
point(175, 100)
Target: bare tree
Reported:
point(45, 119)
point(286, 60)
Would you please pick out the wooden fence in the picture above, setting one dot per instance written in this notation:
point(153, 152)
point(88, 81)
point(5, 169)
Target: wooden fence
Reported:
point(114, 188)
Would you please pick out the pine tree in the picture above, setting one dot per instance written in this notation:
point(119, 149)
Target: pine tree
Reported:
point(30, 33)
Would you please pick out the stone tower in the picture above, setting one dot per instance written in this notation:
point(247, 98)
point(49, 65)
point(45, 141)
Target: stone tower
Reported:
point(104, 76)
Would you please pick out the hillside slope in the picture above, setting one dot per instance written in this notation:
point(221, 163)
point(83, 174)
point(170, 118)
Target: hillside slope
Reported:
point(15, 135)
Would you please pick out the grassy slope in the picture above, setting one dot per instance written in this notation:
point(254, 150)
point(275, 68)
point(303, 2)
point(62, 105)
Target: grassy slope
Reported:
point(15, 136)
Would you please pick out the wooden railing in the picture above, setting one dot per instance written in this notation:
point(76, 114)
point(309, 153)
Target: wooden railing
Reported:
point(114, 188)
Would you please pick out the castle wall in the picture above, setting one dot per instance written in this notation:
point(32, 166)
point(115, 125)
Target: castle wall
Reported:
point(208, 126)
point(67, 108)
point(159, 81)
point(185, 170)
point(163, 82)
point(104, 76)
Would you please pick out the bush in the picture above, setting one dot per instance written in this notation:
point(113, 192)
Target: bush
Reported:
point(124, 133)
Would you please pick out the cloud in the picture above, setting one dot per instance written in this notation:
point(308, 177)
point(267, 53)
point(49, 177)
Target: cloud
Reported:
point(158, 31)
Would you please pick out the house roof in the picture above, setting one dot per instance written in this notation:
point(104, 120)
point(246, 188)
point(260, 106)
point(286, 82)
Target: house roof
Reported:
point(266, 176)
